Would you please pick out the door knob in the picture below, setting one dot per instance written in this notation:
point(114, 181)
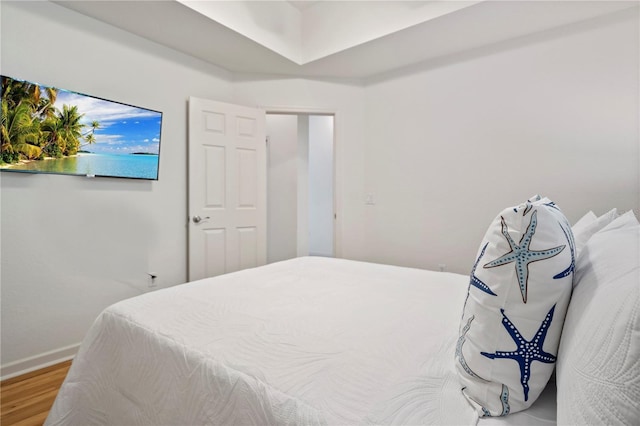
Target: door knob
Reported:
point(198, 219)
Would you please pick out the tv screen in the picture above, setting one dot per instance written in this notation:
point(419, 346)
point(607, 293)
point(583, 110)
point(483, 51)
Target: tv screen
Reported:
point(51, 130)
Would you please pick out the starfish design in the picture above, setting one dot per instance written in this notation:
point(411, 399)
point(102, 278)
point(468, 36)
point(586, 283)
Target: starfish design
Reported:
point(527, 350)
point(459, 355)
point(572, 266)
point(475, 281)
point(522, 255)
point(527, 206)
point(504, 398)
point(552, 205)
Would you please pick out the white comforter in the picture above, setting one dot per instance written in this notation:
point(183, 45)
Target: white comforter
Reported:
point(306, 341)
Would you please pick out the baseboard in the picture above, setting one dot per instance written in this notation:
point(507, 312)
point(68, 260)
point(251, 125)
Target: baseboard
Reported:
point(37, 362)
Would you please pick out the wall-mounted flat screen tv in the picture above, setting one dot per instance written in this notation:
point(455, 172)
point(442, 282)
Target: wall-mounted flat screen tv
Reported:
point(51, 130)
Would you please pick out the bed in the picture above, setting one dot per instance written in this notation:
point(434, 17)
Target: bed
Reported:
point(305, 341)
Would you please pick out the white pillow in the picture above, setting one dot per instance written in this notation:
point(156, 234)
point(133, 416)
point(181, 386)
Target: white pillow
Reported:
point(625, 220)
point(583, 233)
point(583, 222)
point(598, 368)
point(519, 289)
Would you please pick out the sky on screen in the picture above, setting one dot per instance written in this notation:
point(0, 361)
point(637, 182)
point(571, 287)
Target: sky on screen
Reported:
point(123, 128)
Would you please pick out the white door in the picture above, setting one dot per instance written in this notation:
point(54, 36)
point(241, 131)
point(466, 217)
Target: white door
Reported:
point(227, 188)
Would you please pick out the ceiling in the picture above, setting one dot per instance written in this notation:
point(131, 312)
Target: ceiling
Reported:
point(334, 39)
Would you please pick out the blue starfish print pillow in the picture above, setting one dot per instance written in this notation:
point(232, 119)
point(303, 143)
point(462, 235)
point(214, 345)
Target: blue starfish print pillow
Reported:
point(519, 290)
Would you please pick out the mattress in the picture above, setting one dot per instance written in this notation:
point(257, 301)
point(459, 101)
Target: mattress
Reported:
point(305, 341)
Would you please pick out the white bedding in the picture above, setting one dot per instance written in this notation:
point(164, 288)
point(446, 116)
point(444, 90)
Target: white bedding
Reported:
point(305, 341)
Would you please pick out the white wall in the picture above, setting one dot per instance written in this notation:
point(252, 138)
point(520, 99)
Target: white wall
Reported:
point(282, 187)
point(70, 245)
point(321, 185)
point(451, 143)
point(303, 185)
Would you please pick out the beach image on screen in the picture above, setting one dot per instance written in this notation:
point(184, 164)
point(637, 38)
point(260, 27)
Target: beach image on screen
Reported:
point(49, 130)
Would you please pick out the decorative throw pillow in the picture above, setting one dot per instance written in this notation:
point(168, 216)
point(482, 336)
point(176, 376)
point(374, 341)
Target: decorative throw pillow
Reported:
point(519, 289)
point(597, 371)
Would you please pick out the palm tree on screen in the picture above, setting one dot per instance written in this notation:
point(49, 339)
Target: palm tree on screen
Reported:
point(90, 137)
point(20, 132)
point(71, 128)
point(45, 108)
point(32, 127)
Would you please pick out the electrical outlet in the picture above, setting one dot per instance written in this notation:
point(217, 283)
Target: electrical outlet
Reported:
point(152, 281)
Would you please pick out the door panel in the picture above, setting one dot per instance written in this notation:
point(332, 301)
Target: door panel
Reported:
point(215, 176)
point(215, 251)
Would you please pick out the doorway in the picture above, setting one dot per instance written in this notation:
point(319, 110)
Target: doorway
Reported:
point(300, 185)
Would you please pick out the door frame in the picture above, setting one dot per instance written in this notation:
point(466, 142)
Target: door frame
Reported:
point(337, 192)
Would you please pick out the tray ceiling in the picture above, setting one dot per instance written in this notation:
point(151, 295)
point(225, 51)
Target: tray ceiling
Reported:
point(335, 39)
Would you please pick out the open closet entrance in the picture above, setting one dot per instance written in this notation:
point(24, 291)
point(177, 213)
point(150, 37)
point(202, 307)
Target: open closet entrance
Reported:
point(300, 185)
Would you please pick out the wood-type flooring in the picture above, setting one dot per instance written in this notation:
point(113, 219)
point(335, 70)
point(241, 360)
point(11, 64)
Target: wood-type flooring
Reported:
point(27, 399)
